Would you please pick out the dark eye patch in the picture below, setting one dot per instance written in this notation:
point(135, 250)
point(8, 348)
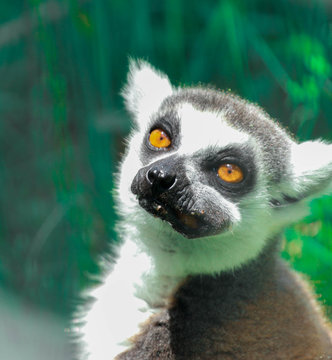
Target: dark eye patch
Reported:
point(169, 123)
point(242, 157)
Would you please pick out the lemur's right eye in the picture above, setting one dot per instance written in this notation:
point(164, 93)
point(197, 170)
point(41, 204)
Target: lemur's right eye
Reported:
point(159, 139)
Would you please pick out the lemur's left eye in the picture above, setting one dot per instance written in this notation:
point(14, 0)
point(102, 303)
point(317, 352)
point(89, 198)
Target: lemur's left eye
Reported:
point(159, 139)
point(230, 173)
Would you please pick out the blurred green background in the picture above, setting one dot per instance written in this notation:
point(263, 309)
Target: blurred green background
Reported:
point(62, 120)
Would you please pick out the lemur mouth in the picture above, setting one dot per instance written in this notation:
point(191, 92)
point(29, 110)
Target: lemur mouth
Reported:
point(189, 224)
point(163, 195)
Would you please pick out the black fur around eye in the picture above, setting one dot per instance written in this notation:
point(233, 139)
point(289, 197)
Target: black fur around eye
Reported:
point(242, 176)
point(163, 135)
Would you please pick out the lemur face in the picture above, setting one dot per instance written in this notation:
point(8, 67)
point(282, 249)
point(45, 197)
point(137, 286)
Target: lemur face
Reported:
point(208, 167)
point(195, 169)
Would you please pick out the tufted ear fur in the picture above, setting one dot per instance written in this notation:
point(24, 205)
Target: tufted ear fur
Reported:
point(145, 90)
point(312, 169)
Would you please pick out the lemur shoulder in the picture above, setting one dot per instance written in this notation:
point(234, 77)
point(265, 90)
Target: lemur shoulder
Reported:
point(207, 185)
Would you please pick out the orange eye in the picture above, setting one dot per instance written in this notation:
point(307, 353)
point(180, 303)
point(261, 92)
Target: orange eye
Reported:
point(159, 139)
point(230, 173)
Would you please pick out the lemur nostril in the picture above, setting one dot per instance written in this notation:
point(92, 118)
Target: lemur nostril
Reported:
point(160, 180)
point(167, 182)
point(153, 174)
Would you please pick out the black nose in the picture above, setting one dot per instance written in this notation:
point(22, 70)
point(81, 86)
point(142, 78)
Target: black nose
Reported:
point(160, 179)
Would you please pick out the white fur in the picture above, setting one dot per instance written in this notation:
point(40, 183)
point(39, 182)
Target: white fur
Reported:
point(204, 129)
point(117, 312)
point(154, 259)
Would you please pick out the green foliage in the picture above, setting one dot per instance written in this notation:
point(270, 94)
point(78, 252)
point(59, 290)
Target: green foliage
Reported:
point(309, 247)
point(62, 65)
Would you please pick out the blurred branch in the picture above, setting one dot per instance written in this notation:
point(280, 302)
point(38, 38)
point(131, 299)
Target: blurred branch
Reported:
point(46, 229)
point(17, 29)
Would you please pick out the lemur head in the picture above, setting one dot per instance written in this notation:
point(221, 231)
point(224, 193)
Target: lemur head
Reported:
point(209, 177)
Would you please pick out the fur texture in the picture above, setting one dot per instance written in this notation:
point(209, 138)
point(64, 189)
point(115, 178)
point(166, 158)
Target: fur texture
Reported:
point(198, 276)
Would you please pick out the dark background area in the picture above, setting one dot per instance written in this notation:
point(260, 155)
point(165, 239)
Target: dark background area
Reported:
point(62, 120)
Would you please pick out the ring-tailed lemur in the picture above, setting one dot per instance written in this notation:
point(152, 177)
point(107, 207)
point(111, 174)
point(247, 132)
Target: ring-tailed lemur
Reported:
point(207, 185)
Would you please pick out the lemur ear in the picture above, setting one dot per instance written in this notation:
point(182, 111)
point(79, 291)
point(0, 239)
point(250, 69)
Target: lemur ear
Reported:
point(145, 90)
point(312, 168)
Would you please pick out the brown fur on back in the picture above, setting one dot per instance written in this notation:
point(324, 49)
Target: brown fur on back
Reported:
point(262, 311)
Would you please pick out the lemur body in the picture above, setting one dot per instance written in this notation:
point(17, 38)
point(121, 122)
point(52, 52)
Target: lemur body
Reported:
point(208, 183)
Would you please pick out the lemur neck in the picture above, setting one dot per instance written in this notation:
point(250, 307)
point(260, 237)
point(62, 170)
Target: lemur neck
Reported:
point(244, 282)
point(159, 288)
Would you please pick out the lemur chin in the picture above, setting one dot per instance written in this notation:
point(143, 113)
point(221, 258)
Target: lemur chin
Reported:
point(207, 185)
